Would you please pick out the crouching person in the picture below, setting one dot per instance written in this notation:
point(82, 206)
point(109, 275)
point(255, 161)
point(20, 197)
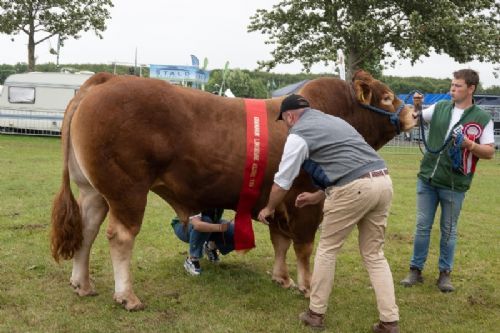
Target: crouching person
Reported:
point(206, 233)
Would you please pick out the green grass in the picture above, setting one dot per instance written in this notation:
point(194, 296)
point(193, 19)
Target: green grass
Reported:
point(237, 295)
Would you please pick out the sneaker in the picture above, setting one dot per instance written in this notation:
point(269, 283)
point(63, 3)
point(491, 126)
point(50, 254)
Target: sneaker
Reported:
point(212, 254)
point(192, 266)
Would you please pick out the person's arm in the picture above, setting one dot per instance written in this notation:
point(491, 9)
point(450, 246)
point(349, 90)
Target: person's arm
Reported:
point(275, 198)
point(485, 147)
point(202, 226)
point(484, 151)
point(308, 198)
point(418, 100)
point(294, 154)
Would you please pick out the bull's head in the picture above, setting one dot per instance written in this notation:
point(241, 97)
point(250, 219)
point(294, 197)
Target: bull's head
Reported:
point(378, 97)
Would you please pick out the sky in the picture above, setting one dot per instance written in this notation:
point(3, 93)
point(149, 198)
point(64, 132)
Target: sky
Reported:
point(167, 32)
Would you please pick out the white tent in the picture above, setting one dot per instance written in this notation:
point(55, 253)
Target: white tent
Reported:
point(228, 93)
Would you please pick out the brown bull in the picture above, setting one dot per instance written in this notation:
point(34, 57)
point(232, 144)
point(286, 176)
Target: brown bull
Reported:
point(125, 136)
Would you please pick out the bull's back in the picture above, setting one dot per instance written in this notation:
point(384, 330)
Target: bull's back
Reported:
point(332, 96)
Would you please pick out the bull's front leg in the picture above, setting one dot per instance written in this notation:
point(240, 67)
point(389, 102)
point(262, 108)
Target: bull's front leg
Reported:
point(121, 240)
point(303, 253)
point(281, 245)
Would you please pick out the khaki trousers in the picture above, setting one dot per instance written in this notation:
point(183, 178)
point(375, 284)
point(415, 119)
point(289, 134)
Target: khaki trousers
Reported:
point(363, 203)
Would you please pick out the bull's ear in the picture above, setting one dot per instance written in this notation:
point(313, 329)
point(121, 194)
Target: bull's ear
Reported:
point(362, 75)
point(363, 92)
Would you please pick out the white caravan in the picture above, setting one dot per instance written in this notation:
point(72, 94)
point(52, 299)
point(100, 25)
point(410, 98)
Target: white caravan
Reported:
point(34, 103)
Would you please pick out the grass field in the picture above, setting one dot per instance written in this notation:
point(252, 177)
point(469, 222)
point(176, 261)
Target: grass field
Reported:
point(237, 295)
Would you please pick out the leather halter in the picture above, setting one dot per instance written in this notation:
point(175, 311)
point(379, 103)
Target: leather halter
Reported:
point(394, 116)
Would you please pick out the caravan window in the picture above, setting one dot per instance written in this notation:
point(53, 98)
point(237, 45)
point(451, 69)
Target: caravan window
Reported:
point(22, 95)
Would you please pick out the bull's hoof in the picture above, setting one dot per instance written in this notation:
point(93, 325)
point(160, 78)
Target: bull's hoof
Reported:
point(86, 289)
point(130, 302)
point(305, 291)
point(286, 283)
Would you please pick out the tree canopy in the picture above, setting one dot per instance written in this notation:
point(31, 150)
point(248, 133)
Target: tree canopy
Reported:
point(239, 81)
point(369, 31)
point(43, 19)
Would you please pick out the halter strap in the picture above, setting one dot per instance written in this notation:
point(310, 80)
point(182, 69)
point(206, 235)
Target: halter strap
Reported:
point(393, 116)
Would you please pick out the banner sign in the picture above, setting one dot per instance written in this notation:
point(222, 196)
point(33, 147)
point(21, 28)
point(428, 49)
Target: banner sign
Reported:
point(195, 61)
point(179, 73)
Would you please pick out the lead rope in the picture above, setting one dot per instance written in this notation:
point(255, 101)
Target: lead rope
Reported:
point(452, 201)
point(455, 152)
point(421, 132)
point(422, 128)
point(424, 140)
point(456, 158)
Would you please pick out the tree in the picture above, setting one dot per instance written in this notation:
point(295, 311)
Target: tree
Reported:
point(369, 30)
point(48, 18)
point(239, 81)
point(242, 85)
point(493, 90)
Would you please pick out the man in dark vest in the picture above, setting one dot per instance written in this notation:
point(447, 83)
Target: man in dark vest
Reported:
point(357, 188)
point(444, 178)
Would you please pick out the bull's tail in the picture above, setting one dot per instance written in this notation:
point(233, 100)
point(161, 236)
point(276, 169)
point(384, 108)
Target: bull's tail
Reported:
point(66, 232)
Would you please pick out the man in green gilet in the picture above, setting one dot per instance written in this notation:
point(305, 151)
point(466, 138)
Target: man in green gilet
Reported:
point(442, 182)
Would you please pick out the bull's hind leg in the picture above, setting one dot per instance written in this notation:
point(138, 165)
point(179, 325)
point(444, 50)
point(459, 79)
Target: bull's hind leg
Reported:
point(93, 209)
point(303, 253)
point(124, 225)
point(281, 245)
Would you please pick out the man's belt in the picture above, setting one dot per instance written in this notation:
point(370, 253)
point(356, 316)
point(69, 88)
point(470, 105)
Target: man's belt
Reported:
point(376, 173)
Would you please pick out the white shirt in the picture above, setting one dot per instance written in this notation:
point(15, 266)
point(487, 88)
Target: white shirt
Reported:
point(487, 137)
point(294, 154)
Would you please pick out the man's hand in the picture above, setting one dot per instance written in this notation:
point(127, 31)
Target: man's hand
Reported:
point(417, 100)
point(264, 214)
point(468, 144)
point(223, 226)
point(308, 198)
point(483, 151)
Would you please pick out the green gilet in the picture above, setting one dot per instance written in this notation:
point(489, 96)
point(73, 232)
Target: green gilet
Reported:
point(437, 168)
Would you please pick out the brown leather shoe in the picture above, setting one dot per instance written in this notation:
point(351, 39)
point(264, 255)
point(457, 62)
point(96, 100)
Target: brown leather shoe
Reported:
point(313, 319)
point(386, 327)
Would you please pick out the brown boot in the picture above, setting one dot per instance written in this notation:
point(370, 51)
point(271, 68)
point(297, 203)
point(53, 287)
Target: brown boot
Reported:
point(444, 282)
point(386, 327)
point(413, 277)
point(313, 319)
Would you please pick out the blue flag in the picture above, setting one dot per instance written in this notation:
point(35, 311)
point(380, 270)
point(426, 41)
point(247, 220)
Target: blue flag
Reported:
point(194, 61)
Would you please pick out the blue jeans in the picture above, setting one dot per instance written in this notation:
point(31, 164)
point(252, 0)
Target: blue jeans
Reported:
point(223, 240)
point(428, 198)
